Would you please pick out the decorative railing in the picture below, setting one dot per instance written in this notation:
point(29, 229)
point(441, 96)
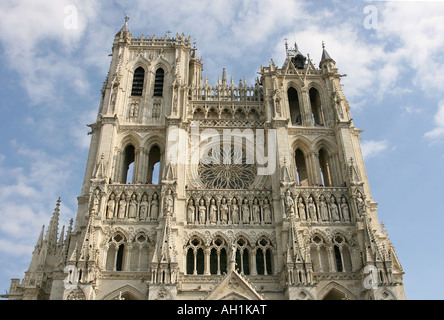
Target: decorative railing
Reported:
point(165, 41)
point(226, 93)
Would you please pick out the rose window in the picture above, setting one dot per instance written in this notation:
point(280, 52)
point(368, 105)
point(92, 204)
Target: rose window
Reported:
point(227, 168)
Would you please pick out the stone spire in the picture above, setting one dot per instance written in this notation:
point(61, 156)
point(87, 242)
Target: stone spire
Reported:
point(325, 55)
point(164, 261)
point(125, 26)
point(326, 59)
point(52, 233)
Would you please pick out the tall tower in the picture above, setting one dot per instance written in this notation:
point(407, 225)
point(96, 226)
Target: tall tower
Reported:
point(226, 191)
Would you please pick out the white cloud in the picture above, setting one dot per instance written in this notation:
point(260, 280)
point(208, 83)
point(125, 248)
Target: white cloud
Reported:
point(37, 45)
point(438, 132)
point(372, 148)
point(411, 109)
point(28, 194)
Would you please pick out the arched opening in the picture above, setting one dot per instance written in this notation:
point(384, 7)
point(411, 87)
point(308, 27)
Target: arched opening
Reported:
point(195, 258)
point(138, 79)
point(325, 168)
point(127, 296)
point(260, 266)
point(200, 261)
point(268, 261)
point(243, 256)
point(334, 294)
point(119, 258)
point(158, 82)
point(213, 261)
point(243, 261)
point(218, 257)
point(128, 165)
point(295, 111)
point(223, 261)
point(154, 165)
point(315, 101)
point(190, 261)
point(301, 168)
point(338, 259)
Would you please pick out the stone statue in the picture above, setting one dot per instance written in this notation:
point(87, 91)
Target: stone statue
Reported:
point(111, 206)
point(224, 211)
point(360, 204)
point(213, 212)
point(235, 212)
point(256, 216)
point(202, 211)
point(122, 207)
point(345, 209)
point(323, 210)
point(154, 212)
point(267, 211)
point(334, 209)
point(169, 203)
point(301, 208)
point(143, 214)
point(191, 212)
point(312, 209)
point(132, 211)
point(245, 212)
point(289, 204)
point(96, 201)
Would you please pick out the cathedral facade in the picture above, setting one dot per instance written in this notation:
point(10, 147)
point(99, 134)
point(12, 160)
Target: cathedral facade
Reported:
point(228, 191)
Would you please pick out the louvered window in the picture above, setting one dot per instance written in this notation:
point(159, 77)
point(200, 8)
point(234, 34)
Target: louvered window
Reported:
point(139, 76)
point(158, 83)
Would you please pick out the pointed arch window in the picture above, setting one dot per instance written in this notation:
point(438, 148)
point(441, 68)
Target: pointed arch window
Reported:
point(158, 82)
point(154, 165)
point(119, 258)
point(138, 79)
point(195, 256)
point(315, 101)
point(116, 253)
point(128, 165)
point(295, 111)
point(243, 256)
point(264, 257)
point(301, 168)
point(218, 257)
point(324, 165)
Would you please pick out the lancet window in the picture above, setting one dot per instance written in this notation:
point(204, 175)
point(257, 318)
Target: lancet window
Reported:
point(195, 256)
point(116, 254)
point(295, 110)
point(316, 109)
point(243, 256)
point(264, 257)
point(215, 258)
point(331, 257)
point(301, 168)
point(158, 82)
point(138, 79)
point(154, 165)
point(324, 165)
point(128, 165)
point(218, 256)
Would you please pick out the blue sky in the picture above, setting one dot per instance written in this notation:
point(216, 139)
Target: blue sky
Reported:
point(52, 68)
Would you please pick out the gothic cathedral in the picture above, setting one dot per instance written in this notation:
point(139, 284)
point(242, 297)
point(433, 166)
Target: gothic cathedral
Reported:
point(195, 191)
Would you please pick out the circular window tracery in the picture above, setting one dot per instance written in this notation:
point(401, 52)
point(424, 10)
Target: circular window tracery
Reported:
point(226, 168)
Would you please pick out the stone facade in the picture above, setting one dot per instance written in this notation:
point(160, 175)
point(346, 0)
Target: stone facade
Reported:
point(283, 213)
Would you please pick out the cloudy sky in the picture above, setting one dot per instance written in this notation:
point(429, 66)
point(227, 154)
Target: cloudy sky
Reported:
point(54, 60)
